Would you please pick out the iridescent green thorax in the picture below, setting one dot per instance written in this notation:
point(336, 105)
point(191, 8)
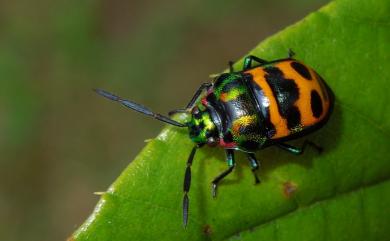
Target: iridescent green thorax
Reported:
point(201, 127)
point(241, 123)
point(225, 80)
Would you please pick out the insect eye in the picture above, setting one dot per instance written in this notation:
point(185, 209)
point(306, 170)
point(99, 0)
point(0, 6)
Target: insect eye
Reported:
point(210, 140)
point(196, 112)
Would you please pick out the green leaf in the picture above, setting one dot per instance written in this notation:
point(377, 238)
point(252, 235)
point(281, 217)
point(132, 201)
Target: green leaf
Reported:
point(342, 194)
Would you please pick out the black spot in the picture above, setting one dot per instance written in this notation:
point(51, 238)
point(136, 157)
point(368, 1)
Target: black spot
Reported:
point(286, 93)
point(228, 137)
point(301, 69)
point(324, 90)
point(316, 104)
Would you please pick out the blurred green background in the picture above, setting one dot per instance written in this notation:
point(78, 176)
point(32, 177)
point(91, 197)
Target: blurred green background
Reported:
point(60, 142)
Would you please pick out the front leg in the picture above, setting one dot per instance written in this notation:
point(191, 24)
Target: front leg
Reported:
point(249, 59)
point(192, 101)
point(254, 165)
point(231, 164)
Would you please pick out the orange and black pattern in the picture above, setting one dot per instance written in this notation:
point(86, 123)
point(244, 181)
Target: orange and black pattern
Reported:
point(291, 96)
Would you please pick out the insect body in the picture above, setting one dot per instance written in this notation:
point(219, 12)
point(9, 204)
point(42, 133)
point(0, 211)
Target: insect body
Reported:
point(251, 109)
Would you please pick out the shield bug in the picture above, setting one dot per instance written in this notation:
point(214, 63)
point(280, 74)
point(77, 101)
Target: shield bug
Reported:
point(259, 106)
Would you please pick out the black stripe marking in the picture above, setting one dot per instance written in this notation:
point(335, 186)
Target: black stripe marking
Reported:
point(293, 117)
point(286, 93)
point(301, 69)
point(262, 102)
point(316, 103)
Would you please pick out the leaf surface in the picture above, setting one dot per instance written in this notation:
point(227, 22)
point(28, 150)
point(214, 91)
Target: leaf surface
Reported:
point(342, 194)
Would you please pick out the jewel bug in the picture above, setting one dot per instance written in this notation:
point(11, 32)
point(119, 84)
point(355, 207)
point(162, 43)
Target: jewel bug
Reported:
point(259, 106)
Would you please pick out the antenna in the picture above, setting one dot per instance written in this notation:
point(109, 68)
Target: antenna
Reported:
point(187, 185)
point(137, 107)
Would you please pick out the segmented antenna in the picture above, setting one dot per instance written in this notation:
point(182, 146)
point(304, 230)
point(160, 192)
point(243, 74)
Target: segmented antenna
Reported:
point(137, 107)
point(187, 185)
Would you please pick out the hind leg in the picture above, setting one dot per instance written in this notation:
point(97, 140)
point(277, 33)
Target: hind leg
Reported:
point(231, 164)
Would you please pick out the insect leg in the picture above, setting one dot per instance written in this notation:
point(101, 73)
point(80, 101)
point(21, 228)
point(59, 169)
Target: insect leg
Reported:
point(231, 163)
point(187, 185)
point(248, 61)
point(254, 165)
point(231, 63)
point(297, 150)
point(291, 53)
point(192, 101)
point(197, 94)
